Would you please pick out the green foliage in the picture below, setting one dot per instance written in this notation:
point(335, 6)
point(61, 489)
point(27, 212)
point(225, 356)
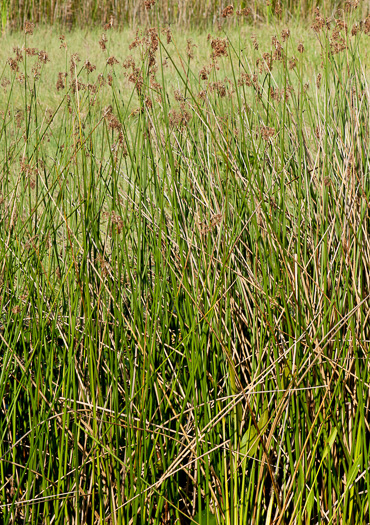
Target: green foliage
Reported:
point(203, 519)
point(184, 285)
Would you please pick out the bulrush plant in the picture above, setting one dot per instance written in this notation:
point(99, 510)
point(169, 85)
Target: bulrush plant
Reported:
point(202, 13)
point(184, 284)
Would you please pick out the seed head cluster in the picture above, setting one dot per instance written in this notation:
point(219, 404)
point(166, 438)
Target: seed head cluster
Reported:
point(246, 11)
point(148, 4)
point(228, 11)
point(219, 47)
point(29, 28)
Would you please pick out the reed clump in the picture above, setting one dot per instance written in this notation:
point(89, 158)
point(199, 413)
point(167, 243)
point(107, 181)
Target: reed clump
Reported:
point(190, 13)
point(184, 283)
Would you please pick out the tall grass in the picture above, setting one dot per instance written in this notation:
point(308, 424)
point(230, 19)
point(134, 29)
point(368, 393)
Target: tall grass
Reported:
point(184, 292)
point(184, 13)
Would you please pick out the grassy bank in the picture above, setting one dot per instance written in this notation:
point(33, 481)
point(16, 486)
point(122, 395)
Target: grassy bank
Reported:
point(189, 13)
point(184, 283)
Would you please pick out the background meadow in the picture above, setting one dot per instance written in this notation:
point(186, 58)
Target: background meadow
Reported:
point(184, 263)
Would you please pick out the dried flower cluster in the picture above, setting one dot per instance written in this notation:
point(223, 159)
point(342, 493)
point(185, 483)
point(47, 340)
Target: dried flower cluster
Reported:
point(111, 61)
point(115, 125)
point(109, 25)
point(89, 67)
point(246, 11)
point(190, 46)
point(136, 78)
point(285, 34)
point(63, 43)
point(29, 28)
point(228, 11)
point(29, 173)
point(320, 22)
point(292, 63)
point(244, 80)
point(254, 41)
point(43, 57)
point(60, 85)
point(148, 4)
point(219, 88)
point(267, 133)
point(167, 31)
point(219, 47)
point(180, 118)
point(116, 221)
point(103, 41)
point(264, 63)
point(278, 8)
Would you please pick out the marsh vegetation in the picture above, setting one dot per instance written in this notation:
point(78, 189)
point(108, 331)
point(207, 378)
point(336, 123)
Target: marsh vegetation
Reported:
point(184, 270)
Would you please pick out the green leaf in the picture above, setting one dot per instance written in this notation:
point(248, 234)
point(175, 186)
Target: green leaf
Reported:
point(309, 504)
point(250, 441)
point(330, 443)
point(201, 518)
point(353, 472)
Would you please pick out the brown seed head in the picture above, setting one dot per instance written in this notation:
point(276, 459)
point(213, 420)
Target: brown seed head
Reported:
point(135, 43)
point(102, 42)
point(190, 49)
point(255, 43)
point(264, 63)
point(112, 61)
point(219, 88)
point(245, 80)
point(178, 96)
point(89, 67)
point(155, 85)
point(13, 64)
point(75, 58)
point(267, 133)
point(31, 51)
point(110, 23)
point(355, 29)
point(5, 82)
point(61, 81)
point(244, 12)
point(292, 63)
point(18, 117)
point(148, 102)
point(319, 22)
point(278, 9)
point(285, 34)
point(137, 79)
point(18, 53)
point(366, 25)
point(203, 73)
point(219, 46)
point(63, 43)
point(28, 28)
point(228, 11)
point(167, 32)
point(43, 57)
point(129, 62)
point(179, 119)
point(148, 4)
